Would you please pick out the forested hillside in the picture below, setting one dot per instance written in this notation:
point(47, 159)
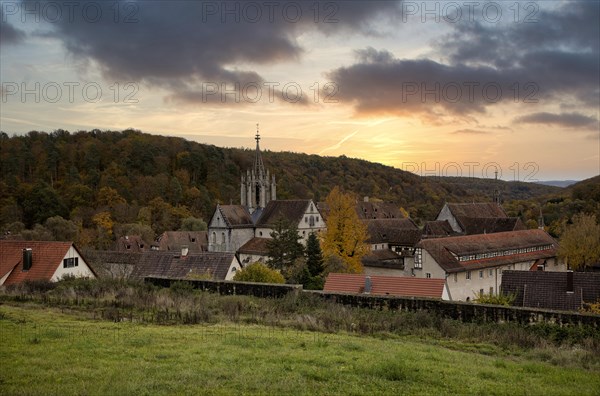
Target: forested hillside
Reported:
point(102, 182)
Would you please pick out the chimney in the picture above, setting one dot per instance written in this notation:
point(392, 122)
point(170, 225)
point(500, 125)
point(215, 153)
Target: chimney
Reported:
point(184, 251)
point(27, 259)
point(570, 282)
point(367, 284)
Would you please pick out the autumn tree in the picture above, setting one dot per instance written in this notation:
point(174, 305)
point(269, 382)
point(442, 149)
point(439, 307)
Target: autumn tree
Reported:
point(284, 247)
point(346, 235)
point(61, 229)
point(193, 224)
point(579, 244)
point(104, 224)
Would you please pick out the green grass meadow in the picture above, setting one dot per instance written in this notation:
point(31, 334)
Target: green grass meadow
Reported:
point(44, 351)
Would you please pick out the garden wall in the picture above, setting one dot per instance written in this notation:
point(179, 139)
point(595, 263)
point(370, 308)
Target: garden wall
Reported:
point(466, 312)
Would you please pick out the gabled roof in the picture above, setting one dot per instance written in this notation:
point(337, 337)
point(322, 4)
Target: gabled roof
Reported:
point(131, 243)
point(291, 210)
point(386, 285)
point(99, 257)
point(256, 246)
point(488, 225)
point(196, 241)
point(485, 209)
point(393, 231)
point(383, 258)
point(438, 228)
point(545, 289)
point(175, 266)
point(369, 210)
point(47, 256)
point(235, 216)
point(378, 210)
point(446, 250)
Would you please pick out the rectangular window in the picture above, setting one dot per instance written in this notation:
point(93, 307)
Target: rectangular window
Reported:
point(418, 258)
point(428, 275)
point(468, 275)
point(480, 274)
point(491, 273)
point(71, 262)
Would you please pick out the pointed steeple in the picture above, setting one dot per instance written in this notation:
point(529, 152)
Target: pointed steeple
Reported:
point(259, 166)
point(541, 224)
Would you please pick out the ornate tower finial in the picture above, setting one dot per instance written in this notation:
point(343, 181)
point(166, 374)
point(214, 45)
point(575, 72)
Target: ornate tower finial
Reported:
point(257, 135)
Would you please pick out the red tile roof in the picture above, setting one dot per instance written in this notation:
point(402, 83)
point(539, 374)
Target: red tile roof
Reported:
point(445, 250)
point(385, 285)
point(46, 258)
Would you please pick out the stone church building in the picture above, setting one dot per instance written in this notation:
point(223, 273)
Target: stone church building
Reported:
point(233, 227)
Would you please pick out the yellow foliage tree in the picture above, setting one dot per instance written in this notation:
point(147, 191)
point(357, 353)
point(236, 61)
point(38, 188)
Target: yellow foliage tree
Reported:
point(105, 226)
point(579, 244)
point(346, 235)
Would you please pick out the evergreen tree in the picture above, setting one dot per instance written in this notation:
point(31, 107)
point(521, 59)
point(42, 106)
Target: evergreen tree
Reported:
point(284, 246)
point(314, 263)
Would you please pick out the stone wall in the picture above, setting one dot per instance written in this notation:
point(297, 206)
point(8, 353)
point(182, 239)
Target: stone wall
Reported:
point(232, 288)
point(466, 312)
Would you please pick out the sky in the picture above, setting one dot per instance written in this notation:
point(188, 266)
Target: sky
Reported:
point(440, 88)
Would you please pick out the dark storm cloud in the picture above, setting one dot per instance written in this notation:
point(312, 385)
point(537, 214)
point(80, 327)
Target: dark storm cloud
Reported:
point(8, 33)
point(547, 62)
point(568, 120)
point(181, 45)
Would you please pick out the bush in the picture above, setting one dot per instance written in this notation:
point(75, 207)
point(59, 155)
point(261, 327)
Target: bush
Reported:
point(259, 272)
point(499, 299)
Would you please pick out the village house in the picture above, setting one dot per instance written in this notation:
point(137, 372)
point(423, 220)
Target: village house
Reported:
point(40, 261)
point(392, 241)
point(477, 218)
point(473, 264)
point(184, 265)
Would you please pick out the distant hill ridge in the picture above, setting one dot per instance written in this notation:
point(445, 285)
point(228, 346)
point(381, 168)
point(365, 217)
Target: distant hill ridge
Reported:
point(142, 167)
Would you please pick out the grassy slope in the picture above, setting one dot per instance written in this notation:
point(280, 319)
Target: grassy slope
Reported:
point(54, 353)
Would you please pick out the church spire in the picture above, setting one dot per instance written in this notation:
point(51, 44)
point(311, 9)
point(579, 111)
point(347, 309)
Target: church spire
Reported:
point(259, 167)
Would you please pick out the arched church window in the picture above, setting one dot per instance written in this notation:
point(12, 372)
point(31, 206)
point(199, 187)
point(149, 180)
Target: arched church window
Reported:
point(214, 237)
point(312, 221)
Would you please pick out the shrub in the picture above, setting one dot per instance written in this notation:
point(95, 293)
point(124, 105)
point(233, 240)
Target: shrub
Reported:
point(259, 272)
point(499, 299)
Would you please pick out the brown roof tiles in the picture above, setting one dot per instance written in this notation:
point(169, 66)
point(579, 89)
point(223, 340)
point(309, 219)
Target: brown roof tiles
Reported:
point(385, 285)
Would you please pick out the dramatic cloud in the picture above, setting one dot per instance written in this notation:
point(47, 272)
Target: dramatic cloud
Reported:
point(8, 33)
point(188, 46)
point(548, 62)
point(568, 120)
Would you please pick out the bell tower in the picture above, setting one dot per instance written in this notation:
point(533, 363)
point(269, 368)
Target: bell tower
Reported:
point(257, 186)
